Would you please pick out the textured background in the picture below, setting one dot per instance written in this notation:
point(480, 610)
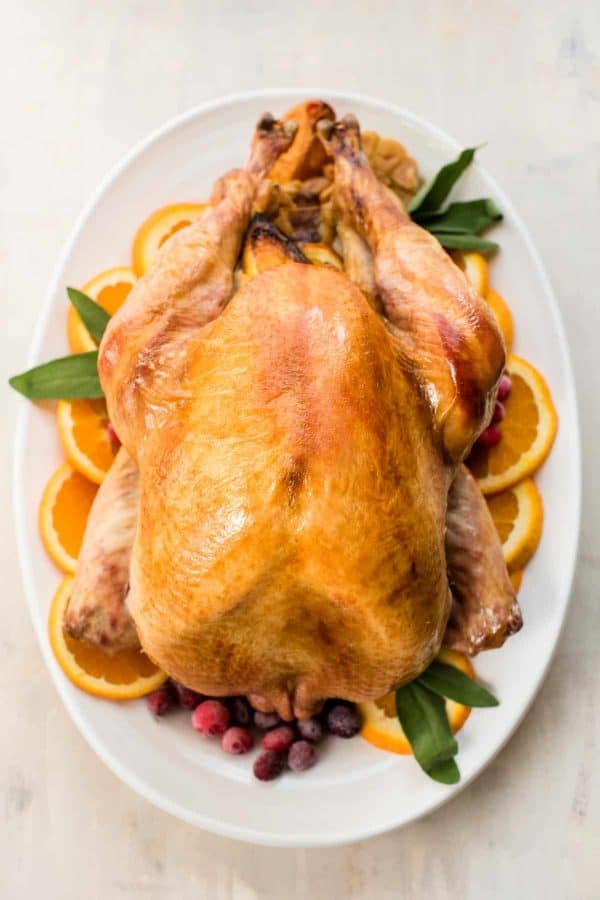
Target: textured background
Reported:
point(80, 83)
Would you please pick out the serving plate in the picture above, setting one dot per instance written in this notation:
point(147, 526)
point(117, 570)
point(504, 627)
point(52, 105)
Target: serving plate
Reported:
point(355, 790)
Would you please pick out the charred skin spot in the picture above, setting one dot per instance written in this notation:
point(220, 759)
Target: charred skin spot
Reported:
point(262, 229)
point(324, 634)
point(266, 122)
point(294, 478)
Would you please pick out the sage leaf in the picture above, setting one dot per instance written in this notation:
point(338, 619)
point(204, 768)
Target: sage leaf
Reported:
point(93, 316)
point(448, 681)
point(434, 192)
point(470, 217)
point(454, 241)
point(446, 772)
point(424, 721)
point(72, 377)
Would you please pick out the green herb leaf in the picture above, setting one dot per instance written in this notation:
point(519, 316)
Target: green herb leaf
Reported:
point(424, 721)
point(434, 192)
point(454, 241)
point(448, 681)
point(68, 378)
point(469, 217)
point(93, 316)
point(447, 772)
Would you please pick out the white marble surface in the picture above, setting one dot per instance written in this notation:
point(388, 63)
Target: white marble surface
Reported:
point(80, 82)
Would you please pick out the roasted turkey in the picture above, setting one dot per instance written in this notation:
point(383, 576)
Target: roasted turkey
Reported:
point(305, 527)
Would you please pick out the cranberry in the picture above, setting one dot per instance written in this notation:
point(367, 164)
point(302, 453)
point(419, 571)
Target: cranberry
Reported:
point(161, 700)
point(266, 720)
point(499, 412)
point(241, 711)
point(269, 765)
point(504, 387)
point(343, 721)
point(237, 740)
point(188, 698)
point(112, 434)
point(302, 756)
point(490, 437)
point(211, 718)
point(310, 729)
point(278, 738)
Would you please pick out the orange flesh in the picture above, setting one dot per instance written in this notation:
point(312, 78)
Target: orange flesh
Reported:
point(519, 431)
point(113, 296)
point(394, 743)
point(71, 509)
point(183, 224)
point(504, 509)
point(90, 421)
point(124, 667)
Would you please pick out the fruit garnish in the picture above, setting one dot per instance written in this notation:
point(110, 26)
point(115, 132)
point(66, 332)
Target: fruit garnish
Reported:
point(475, 267)
point(381, 726)
point(503, 316)
point(518, 516)
point(428, 710)
point(85, 436)
point(528, 431)
point(124, 675)
point(516, 579)
point(63, 512)
point(157, 229)
point(110, 290)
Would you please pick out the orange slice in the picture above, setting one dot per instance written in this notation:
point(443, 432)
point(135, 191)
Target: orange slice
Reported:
point(503, 315)
point(83, 430)
point(517, 579)
point(110, 290)
point(475, 267)
point(63, 513)
point(124, 675)
point(158, 228)
point(528, 431)
point(518, 515)
point(380, 723)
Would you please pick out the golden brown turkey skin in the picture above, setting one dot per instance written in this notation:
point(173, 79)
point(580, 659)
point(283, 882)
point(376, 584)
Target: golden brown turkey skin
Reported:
point(286, 548)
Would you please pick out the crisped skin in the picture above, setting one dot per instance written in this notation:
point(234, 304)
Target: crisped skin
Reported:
point(277, 553)
point(484, 608)
point(97, 609)
point(145, 348)
point(295, 448)
point(448, 338)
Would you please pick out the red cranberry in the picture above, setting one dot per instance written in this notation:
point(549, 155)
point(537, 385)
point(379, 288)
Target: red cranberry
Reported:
point(499, 412)
point(504, 387)
point(310, 729)
point(211, 718)
point(302, 756)
point(161, 700)
point(490, 437)
point(278, 738)
point(269, 765)
point(188, 698)
point(112, 434)
point(266, 720)
point(343, 721)
point(237, 740)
